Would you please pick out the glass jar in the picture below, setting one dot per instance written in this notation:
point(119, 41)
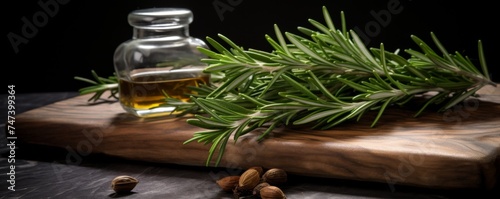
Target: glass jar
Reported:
point(161, 59)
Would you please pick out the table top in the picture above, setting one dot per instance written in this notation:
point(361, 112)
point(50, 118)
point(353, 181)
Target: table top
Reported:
point(48, 172)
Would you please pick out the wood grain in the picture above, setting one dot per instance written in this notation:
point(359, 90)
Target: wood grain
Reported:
point(455, 149)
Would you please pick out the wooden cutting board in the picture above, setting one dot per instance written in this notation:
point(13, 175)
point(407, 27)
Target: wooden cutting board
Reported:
point(455, 149)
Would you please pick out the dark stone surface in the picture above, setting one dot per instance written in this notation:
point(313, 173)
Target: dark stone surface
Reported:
point(48, 172)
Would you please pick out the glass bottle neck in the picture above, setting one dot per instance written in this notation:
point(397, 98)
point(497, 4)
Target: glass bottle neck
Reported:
point(181, 32)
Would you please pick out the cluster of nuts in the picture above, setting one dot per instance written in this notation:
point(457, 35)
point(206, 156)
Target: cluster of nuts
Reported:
point(254, 181)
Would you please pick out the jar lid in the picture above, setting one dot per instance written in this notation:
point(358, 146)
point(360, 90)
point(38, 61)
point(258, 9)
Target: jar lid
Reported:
point(160, 18)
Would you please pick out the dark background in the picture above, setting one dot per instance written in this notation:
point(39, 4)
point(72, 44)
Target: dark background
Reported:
point(81, 36)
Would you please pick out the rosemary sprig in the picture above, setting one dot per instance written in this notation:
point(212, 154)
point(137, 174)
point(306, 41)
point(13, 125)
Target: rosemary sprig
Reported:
point(322, 79)
point(99, 87)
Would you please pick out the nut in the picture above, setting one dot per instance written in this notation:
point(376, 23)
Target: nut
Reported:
point(123, 184)
point(256, 189)
point(272, 192)
point(275, 176)
point(228, 183)
point(249, 179)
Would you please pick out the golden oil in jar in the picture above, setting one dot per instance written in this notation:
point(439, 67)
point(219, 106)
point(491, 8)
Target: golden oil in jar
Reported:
point(161, 59)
